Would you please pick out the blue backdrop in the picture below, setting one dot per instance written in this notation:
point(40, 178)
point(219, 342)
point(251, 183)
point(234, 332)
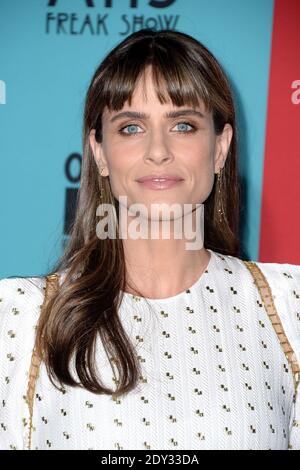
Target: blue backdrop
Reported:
point(49, 51)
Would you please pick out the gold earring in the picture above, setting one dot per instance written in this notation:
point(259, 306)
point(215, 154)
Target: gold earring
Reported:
point(219, 197)
point(101, 187)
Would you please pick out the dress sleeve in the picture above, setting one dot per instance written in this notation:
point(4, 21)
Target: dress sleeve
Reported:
point(294, 309)
point(284, 280)
point(20, 301)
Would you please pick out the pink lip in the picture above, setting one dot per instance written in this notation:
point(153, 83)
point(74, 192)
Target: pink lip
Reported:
point(162, 184)
point(164, 177)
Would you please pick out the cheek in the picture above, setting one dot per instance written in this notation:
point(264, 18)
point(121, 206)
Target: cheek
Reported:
point(115, 157)
point(118, 166)
point(199, 157)
point(121, 155)
point(200, 164)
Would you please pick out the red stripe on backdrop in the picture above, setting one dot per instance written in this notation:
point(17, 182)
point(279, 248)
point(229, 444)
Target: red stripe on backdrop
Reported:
point(280, 211)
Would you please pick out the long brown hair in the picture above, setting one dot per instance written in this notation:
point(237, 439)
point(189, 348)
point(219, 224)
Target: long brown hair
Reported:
point(86, 304)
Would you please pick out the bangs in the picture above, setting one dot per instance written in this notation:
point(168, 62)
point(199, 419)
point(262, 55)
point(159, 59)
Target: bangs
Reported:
point(175, 76)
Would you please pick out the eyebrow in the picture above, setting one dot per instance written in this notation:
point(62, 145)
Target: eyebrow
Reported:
point(168, 115)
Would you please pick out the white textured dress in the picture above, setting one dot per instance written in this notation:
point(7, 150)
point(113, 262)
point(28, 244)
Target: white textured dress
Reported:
point(214, 373)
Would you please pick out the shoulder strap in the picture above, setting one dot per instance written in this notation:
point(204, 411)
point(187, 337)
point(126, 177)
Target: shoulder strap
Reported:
point(51, 285)
point(267, 298)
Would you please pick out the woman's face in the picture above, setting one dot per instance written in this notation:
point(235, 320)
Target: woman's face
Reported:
point(186, 145)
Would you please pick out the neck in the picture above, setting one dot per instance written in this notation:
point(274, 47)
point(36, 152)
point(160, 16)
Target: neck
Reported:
point(158, 267)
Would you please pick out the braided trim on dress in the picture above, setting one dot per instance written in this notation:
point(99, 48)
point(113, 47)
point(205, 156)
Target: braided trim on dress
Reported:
point(267, 298)
point(51, 284)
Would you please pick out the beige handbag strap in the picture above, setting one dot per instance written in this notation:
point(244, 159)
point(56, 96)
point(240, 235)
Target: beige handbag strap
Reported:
point(266, 295)
point(51, 285)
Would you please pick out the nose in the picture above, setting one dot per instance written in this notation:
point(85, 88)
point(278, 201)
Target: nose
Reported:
point(157, 150)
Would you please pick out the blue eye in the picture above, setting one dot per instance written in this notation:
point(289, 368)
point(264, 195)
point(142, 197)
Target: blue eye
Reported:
point(128, 126)
point(185, 124)
point(133, 126)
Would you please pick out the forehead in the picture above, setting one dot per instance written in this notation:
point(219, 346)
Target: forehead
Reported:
point(145, 98)
point(145, 90)
point(143, 108)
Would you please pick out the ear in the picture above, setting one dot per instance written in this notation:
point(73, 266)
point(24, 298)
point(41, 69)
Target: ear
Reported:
point(222, 147)
point(98, 153)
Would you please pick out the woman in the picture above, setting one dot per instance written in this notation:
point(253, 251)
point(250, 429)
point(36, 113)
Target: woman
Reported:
point(143, 343)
